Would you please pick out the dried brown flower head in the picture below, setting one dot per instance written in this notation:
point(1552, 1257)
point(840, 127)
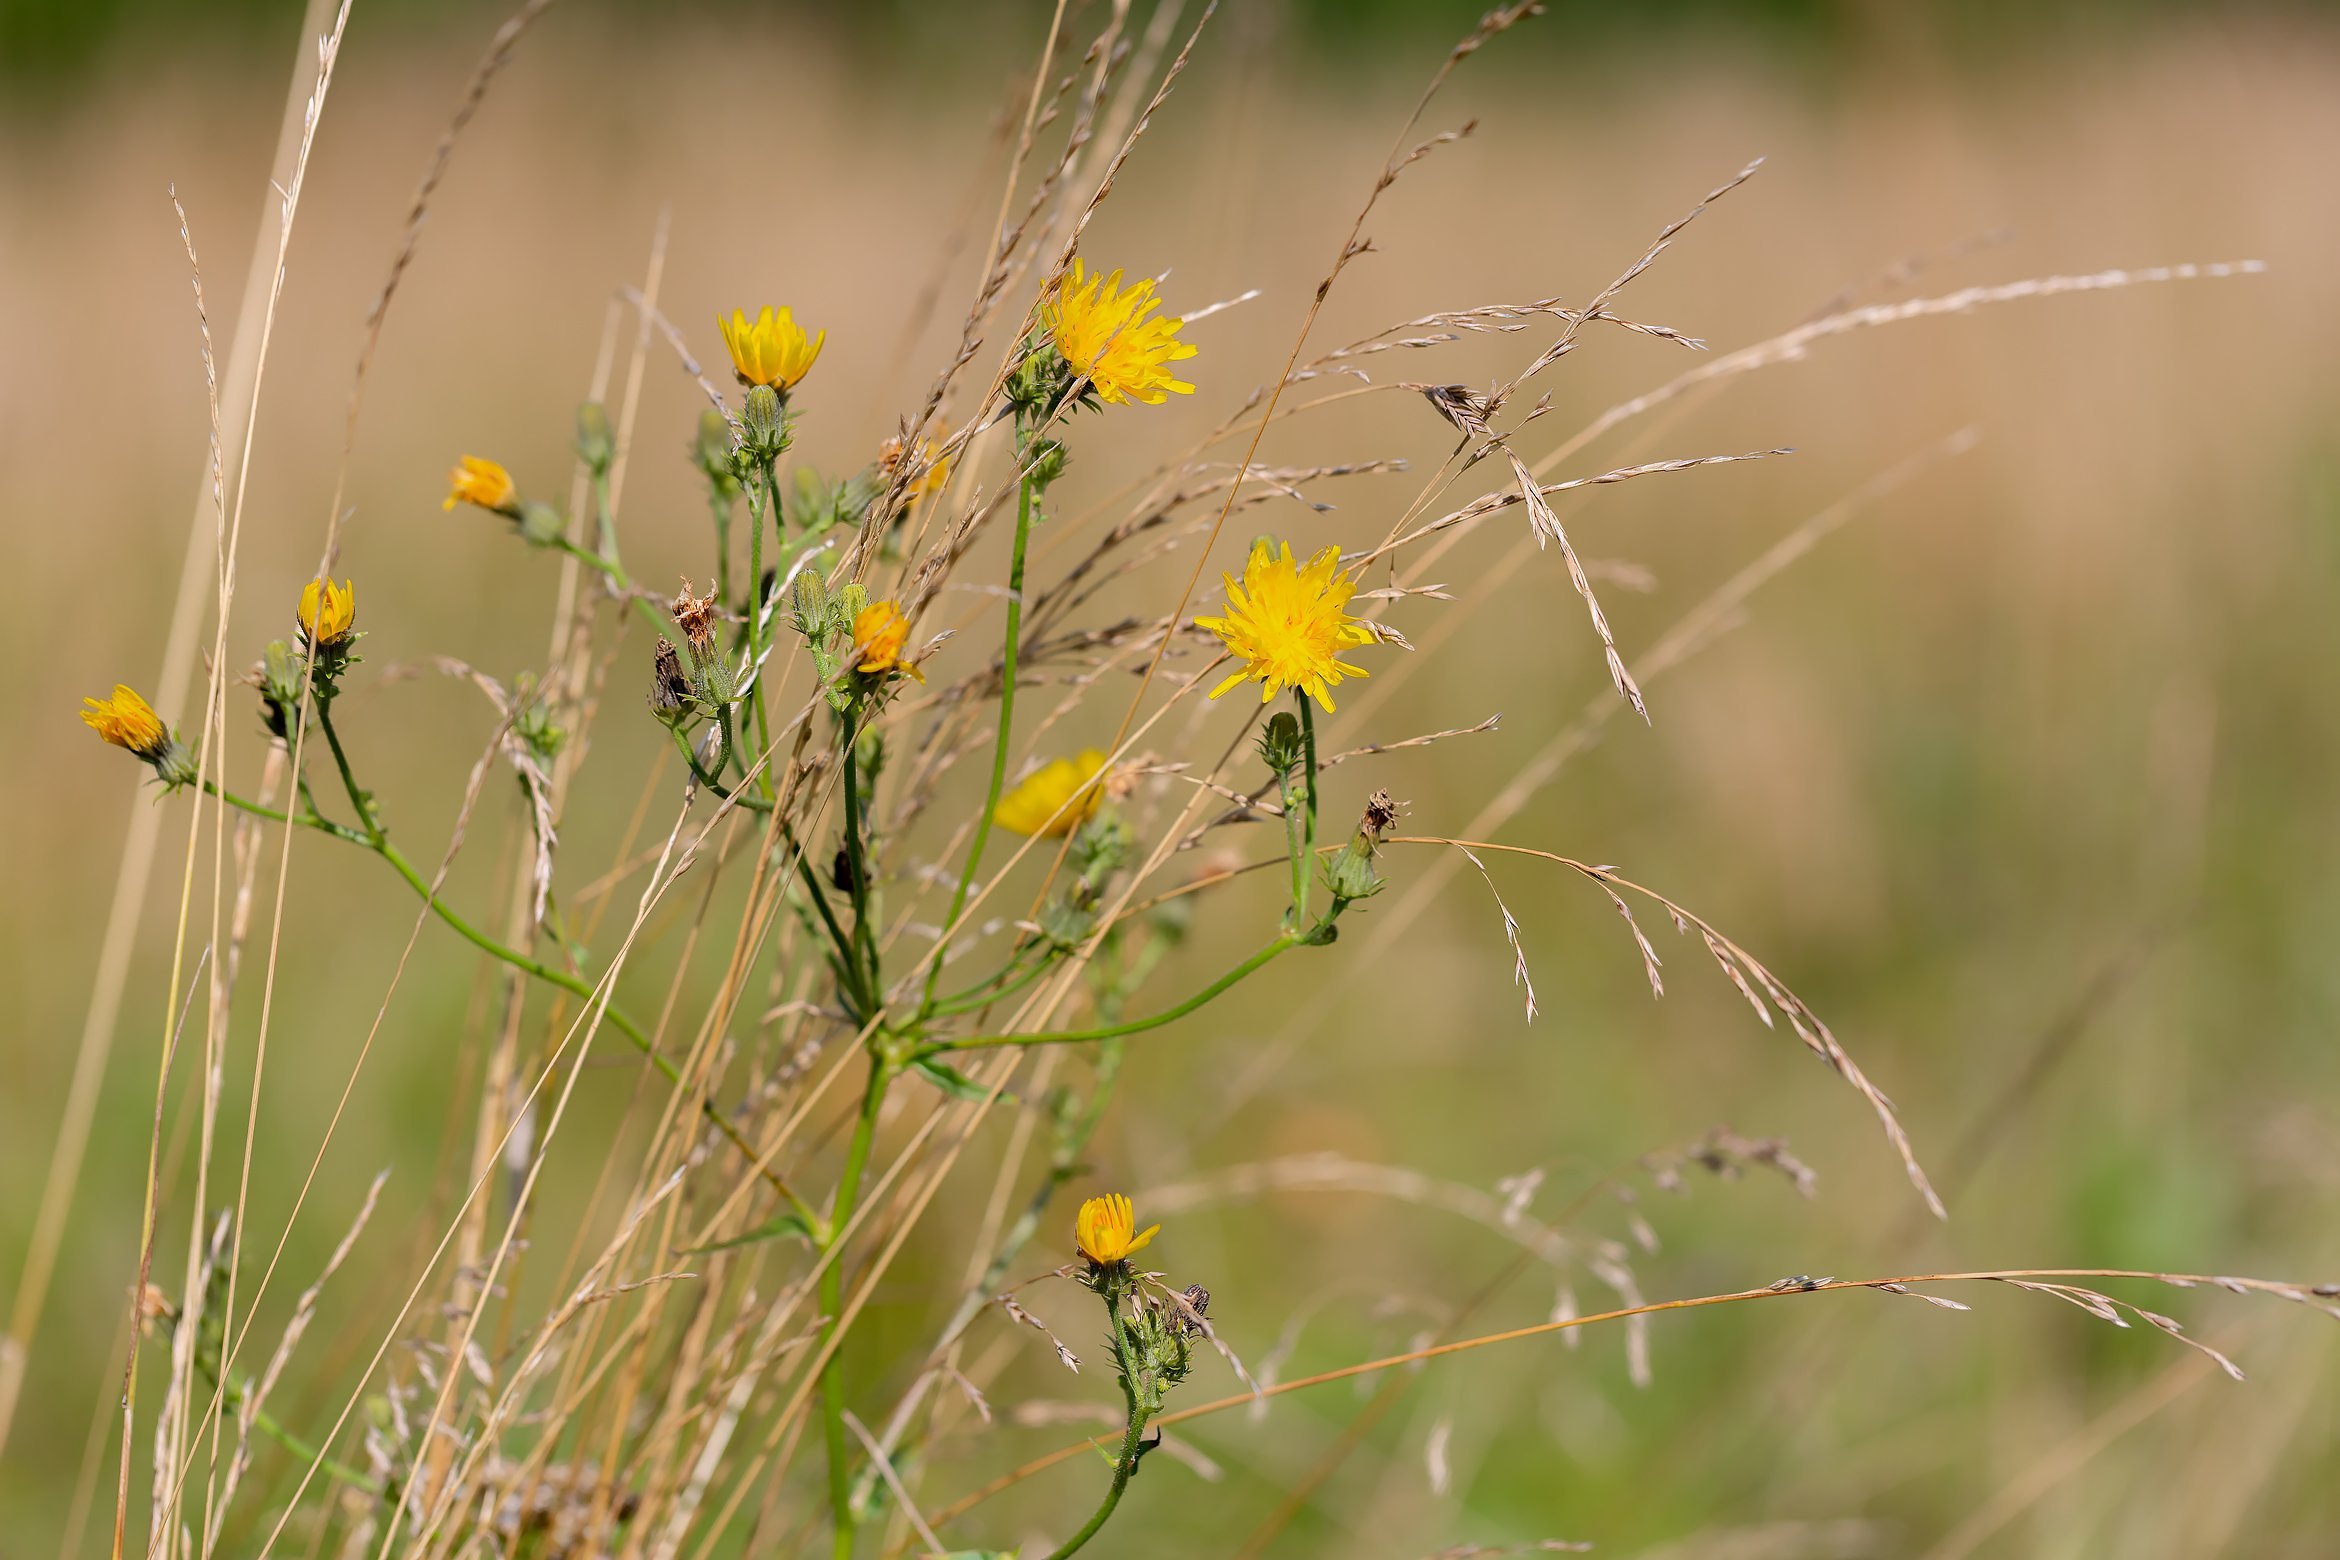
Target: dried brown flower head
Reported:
point(695, 616)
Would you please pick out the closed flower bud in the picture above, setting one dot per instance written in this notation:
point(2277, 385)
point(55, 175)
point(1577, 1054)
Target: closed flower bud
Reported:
point(1045, 462)
point(812, 604)
point(763, 426)
point(278, 677)
point(541, 525)
point(711, 453)
point(595, 447)
point(1280, 744)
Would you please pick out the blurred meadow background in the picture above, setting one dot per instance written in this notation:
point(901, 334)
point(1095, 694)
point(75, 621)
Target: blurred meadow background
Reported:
point(2027, 776)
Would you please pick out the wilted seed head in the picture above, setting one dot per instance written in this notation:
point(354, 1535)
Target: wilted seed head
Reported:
point(695, 616)
point(670, 686)
point(1198, 1302)
point(1351, 875)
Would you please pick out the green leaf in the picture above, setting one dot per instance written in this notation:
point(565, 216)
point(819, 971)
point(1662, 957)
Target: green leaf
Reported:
point(949, 1079)
point(788, 1225)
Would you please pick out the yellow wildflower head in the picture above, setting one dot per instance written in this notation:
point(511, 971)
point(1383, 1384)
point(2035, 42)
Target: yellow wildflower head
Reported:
point(328, 612)
point(476, 480)
point(1106, 1230)
point(1288, 624)
point(1039, 804)
point(1101, 329)
point(773, 351)
point(880, 632)
point(128, 722)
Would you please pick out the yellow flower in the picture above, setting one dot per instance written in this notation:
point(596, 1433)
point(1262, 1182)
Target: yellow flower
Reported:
point(879, 633)
point(773, 351)
point(128, 722)
point(328, 611)
point(479, 481)
point(1101, 329)
point(1288, 625)
point(1107, 1232)
point(1038, 805)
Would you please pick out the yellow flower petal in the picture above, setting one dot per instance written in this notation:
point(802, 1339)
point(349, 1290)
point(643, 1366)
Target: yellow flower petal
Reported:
point(1104, 331)
point(1286, 623)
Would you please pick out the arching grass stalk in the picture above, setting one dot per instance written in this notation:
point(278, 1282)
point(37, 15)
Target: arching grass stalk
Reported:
point(1025, 491)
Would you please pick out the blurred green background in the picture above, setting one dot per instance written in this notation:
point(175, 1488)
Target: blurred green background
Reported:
point(2028, 780)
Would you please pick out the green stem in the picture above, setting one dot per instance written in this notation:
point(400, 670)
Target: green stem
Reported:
point(999, 750)
point(755, 613)
point(715, 783)
point(832, 1295)
point(620, 582)
point(1282, 944)
point(267, 1425)
point(605, 523)
point(857, 862)
point(1308, 828)
point(984, 993)
point(1132, 1442)
point(848, 960)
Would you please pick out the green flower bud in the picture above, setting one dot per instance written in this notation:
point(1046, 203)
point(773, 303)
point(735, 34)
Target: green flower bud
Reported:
point(541, 525)
point(1280, 745)
point(711, 452)
point(595, 447)
point(763, 426)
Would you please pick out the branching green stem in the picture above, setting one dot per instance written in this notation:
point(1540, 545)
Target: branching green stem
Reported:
point(1132, 1444)
point(1133, 1026)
